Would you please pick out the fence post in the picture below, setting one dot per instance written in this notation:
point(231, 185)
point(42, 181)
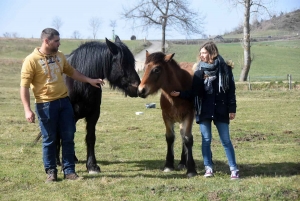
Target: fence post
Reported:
point(290, 81)
point(249, 84)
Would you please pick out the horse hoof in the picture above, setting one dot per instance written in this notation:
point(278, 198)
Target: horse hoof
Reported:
point(94, 172)
point(191, 174)
point(181, 167)
point(168, 169)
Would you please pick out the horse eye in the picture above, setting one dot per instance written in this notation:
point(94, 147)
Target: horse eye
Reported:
point(156, 70)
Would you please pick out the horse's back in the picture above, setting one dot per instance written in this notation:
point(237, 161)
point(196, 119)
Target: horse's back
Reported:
point(187, 66)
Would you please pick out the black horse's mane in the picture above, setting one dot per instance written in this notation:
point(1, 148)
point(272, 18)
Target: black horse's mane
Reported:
point(97, 60)
point(89, 59)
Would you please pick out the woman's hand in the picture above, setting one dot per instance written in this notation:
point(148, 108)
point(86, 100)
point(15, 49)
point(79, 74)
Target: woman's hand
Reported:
point(175, 93)
point(231, 116)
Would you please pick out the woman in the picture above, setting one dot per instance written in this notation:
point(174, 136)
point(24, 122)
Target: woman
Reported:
point(214, 93)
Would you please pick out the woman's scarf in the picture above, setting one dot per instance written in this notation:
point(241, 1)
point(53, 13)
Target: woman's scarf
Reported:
point(211, 70)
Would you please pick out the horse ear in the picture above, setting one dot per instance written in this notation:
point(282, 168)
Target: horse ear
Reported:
point(112, 47)
point(147, 53)
point(169, 57)
point(117, 39)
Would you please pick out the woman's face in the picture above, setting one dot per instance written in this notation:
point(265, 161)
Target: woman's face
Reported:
point(204, 55)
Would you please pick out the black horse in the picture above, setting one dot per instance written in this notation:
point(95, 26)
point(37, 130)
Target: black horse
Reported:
point(111, 61)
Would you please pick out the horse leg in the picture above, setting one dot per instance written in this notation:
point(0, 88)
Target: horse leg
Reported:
point(187, 151)
point(170, 138)
point(182, 162)
point(91, 163)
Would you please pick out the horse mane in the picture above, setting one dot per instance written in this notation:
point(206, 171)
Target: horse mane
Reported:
point(125, 57)
point(176, 70)
point(98, 60)
point(81, 59)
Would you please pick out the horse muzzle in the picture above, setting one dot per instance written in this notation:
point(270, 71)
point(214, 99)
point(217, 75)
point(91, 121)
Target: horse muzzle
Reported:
point(132, 90)
point(142, 92)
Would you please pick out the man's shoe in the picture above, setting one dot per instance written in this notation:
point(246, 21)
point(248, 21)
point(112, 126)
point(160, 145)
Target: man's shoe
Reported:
point(72, 176)
point(51, 176)
point(209, 173)
point(234, 175)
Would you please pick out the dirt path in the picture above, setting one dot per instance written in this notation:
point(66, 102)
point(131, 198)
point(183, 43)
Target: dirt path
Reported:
point(140, 57)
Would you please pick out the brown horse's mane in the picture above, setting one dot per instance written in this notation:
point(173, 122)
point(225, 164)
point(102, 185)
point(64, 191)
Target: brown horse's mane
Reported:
point(179, 75)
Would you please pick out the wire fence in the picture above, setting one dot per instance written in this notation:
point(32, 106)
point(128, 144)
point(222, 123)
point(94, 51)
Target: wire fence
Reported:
point(289, 79)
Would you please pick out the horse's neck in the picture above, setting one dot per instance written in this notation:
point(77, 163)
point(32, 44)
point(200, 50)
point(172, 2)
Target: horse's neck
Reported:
point(177, 79)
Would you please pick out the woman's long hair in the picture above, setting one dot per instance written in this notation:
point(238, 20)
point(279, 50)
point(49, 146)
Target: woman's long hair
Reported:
point(212, 50)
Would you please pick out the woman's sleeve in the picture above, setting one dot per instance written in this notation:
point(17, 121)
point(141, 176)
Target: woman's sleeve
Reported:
point(197, 87)
point(231, 99)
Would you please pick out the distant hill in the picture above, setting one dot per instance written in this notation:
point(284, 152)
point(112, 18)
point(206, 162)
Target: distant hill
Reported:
point(286, 24)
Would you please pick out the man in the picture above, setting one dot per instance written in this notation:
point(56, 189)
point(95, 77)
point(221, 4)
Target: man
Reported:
point(43, 70)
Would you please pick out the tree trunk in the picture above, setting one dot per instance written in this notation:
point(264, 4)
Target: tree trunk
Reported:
point(163, 36)
point(246, 42)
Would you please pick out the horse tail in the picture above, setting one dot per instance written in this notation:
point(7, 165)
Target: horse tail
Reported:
point(38, 137)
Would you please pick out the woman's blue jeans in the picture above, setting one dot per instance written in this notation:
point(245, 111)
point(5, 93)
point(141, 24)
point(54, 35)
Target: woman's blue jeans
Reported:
point(223, 129)
point(57, 117)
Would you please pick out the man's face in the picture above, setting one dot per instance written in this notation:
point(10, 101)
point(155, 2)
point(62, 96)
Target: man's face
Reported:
point(53, 44)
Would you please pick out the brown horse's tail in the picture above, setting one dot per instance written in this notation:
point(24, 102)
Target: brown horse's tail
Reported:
point(38, 137)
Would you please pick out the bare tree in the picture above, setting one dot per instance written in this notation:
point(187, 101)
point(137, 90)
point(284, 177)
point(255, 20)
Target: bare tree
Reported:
point(76, 35)
point(165, 13)
point(113, 24)
point(95, 23)
point(57, 23)
point(7, 35)
point(250, 6)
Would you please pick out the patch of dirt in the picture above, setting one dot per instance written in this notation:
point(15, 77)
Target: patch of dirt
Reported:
point(252, 137)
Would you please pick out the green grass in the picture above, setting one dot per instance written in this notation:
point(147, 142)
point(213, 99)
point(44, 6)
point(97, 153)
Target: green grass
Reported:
point(131, 150)
point(272, 61)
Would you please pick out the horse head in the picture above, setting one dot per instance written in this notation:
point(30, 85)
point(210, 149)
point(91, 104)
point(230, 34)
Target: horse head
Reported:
point(122, 73)
point(156, 73)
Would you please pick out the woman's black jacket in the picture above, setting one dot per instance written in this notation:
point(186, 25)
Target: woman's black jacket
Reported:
point(215, 106)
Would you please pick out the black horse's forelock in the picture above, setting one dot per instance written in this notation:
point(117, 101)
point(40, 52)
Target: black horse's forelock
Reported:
point(126, 62)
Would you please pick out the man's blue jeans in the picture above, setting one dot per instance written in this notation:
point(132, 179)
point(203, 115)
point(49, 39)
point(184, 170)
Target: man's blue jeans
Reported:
point(57, 117)
point(223, 129)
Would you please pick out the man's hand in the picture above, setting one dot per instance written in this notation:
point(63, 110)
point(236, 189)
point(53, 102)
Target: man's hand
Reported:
point(97, 82)
point(30, 116)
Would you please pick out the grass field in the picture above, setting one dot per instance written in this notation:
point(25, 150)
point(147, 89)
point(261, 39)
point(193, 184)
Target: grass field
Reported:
point(131, 149)
point(272, 60)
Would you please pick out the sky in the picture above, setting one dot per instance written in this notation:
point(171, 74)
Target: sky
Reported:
point(27, 18)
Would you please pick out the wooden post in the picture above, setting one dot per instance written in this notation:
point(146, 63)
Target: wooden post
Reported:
point(290, 81)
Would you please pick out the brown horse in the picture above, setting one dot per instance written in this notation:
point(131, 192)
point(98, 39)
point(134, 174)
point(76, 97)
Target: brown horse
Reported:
point(163, 72)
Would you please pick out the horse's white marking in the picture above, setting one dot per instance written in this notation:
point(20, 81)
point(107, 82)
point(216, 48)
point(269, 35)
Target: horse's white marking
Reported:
point(168, 169)
point(93, 172)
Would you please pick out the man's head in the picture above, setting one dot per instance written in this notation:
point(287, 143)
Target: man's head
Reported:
point(51, 40)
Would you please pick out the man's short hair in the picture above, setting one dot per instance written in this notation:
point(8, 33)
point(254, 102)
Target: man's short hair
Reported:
point(49, 33)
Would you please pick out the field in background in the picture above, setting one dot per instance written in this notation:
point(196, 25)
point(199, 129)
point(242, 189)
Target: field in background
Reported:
point(272, 60)
point(131, 148)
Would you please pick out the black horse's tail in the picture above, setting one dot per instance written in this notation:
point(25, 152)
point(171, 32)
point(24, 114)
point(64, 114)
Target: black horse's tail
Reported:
point(38, 137)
